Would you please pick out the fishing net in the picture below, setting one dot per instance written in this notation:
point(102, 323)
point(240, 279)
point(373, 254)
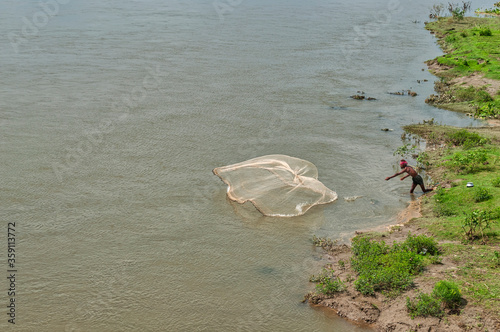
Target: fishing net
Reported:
point(277, 185)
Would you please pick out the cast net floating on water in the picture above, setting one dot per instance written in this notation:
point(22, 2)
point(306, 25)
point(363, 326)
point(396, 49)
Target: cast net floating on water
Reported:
point(277, 185)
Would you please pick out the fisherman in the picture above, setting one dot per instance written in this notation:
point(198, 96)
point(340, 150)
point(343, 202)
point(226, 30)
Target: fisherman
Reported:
point(417, 179)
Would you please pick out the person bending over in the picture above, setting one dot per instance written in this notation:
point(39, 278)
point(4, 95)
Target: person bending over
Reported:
point(417, 179)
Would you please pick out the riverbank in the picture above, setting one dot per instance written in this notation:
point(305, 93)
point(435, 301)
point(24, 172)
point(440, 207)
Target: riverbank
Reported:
point(469, 262)
point(469, 258)
point(469, 71)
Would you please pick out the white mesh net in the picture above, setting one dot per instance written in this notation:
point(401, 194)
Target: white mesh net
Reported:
point(277, 185)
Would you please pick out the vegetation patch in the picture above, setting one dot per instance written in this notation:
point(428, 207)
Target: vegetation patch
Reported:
point(467, 217)
point(491, 11)
point(471, 47)
point(445, 294)
point(389, 269)
point(327, 282)
point(424, 305)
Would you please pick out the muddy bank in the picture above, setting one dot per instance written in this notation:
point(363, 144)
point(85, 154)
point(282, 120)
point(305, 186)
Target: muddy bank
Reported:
point(390, 314)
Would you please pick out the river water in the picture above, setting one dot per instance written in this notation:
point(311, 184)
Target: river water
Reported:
point(114, 113)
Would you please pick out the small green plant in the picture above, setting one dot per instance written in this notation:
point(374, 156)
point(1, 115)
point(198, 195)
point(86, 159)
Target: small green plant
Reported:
point(465, 138)
point(448, 292)
point(424, 305)
point(383, 268)
point(457, 11)
point(422, 159)
point(465, 94)
point(328, 283)
point(481, 195)
point(492, 11)
point(496, 258)
point(496, 182)
point(485, 31)
point(330, 286)
point(467, 161)
point(325, 243)
point(487, 110)
point(482, 96)
point(475, 224)
point(405, 150)
point(421, 244)
point(435, 260)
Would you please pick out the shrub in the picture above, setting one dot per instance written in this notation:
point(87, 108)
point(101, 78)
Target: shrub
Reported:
point(330, 286)
point(405, 150)
point(328, 283)
point(421, 244)
point(395, 277)
point(464, 137)
point(422, 158)
point(383, 268)
point(481, 195)
point(364, 247)
point(488, 110)
point(475, 223)
point(482, 96)
point(448, 292)
point(496, 182)
point(465, 94)
point(467, 161)
point(496, 258)
point(458, 12)
point(485, 31)
point(424, 305)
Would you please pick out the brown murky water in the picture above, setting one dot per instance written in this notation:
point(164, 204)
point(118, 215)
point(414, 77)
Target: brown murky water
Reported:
point(113, 115)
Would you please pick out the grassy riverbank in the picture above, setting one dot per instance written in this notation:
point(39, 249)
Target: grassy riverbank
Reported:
point(466, 219)
point(469, 72)
point(438, 271)
point(395, 279)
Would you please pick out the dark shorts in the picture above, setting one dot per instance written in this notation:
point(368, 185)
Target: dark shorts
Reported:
point(418, 180)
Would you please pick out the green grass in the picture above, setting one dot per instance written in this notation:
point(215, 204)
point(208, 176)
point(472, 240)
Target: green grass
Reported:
point(471, 45)
point(477, 274)
point(445, 293)
point(424, 305)
point(447, 215)
point(389, 269)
